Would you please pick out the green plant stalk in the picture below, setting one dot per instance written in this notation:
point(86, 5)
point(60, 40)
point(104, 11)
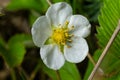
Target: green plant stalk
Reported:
point(49, 2)
point(33, 74)
point(91, 59)
point(13, 76)
point(58, 75)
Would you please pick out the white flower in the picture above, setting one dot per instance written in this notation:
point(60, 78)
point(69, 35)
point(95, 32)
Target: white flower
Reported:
point(61, 36)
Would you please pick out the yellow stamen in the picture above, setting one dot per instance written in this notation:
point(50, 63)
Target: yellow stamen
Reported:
point(61, 34)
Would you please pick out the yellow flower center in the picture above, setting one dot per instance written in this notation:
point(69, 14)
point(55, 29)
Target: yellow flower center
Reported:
point(61, 34)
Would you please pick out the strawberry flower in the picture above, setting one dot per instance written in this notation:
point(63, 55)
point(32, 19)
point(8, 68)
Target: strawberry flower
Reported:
point(61, 36)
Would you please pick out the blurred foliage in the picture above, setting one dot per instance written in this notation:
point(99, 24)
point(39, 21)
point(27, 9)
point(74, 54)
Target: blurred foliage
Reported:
point(20, 54)
point(67, 72)
point(14, 51)
point(37, 5)
point(108, 21)
point(92, 8)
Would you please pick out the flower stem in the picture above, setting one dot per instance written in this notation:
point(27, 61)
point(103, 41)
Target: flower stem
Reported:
point(58, 75)
point(12, 74)
point(94, 63)
point(23, 73)
point(33, 74)
point(91, 59)
point(105, 51)
point(49, 2)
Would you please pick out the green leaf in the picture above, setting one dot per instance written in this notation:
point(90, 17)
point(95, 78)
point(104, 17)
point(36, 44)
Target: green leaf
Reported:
point(51, 73)
point(21, 38)
point(15, 50)
point(2, 42)
point(15, 54)
point(110, 15)
point(108, 20)
point(2, 46)
point(92, 8)
point(115, 77)
point(68, 72)
point(37, 5)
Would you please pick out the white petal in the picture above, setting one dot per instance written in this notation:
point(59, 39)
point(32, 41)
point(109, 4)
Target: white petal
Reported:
point(58, 13)
point(78, 50)
point(52, 56)
point(81, 25)
point(41, 31)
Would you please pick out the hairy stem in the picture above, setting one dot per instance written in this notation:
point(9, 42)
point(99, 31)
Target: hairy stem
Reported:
point(91, 59)
point(13, 76)
point(22, 72)
point(58, 75)
point(49, 2)
point(32, 76)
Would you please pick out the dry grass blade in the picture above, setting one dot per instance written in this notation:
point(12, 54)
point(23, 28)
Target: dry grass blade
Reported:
point(105, 51)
